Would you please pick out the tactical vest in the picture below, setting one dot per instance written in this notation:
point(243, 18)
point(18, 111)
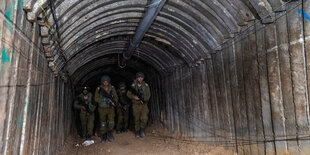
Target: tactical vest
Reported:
point(86, 101)
point(123, 99)
point(105, 103)
point(81, 98)
point(139, 89)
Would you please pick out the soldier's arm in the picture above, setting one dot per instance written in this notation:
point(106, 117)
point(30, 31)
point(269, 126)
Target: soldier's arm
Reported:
point(97, 99)
point(76, 104)
point(115, 95)
point(92, 105)
point(90, 98)
point(129, 94)
point(147, 93)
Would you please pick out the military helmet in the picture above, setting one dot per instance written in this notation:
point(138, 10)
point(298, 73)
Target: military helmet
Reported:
point(139, 74)
point(122, 84)
point(85, 90)
point(105, 78)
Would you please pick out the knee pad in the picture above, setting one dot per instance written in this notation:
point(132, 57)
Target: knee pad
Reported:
point(111, 124)
point(103, 125)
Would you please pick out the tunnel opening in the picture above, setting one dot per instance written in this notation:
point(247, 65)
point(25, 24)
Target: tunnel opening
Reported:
point(230, 73)
point(85, 77)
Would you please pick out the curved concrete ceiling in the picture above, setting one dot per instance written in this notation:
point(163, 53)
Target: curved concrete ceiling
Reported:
point(90, 74)
point(77, 32)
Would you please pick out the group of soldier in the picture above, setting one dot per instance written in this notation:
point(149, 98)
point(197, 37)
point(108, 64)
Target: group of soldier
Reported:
point(108, 100)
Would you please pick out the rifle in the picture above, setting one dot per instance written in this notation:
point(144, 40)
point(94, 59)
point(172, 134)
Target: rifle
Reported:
point(138, 94)
point(110, 97)
point(123, 108)
point(123, 100)
point(87, 107)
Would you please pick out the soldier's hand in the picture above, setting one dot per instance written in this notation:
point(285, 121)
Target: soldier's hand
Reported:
point(119, 105)
point(113, 104)
point(83, 108)
point(136, 98)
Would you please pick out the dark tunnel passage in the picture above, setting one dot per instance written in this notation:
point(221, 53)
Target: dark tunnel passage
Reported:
point(224, 72)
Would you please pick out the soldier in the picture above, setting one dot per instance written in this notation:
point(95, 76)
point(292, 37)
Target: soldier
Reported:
point(87, 108)
point(107, 99)
point(123, 109)
point(140, 94)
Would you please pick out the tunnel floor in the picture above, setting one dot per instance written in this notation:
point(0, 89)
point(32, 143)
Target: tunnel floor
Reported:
point(157, 141)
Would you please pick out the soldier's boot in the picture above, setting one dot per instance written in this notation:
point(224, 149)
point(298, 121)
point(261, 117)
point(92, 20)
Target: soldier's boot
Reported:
point(137, 134)
point(125, 130)
point(142, 133)
point(110, 136)
point(88, 137)
point(103, 138)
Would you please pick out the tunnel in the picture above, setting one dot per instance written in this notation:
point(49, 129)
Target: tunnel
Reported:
point(231, 72)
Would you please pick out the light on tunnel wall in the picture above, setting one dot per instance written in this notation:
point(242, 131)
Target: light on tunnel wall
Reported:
point(199, 62)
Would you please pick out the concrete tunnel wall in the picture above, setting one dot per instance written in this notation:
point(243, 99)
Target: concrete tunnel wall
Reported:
point(35, 105)
point(251, 94)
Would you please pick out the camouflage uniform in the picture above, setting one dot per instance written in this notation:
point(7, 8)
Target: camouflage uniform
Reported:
point(87, 117)
point(140, 110)
point(123, 110)
point(106, 111)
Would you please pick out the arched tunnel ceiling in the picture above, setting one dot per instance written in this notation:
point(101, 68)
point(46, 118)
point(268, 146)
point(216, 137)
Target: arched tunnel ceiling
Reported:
point(90, 73)
point(150, 51)
point(75, 33)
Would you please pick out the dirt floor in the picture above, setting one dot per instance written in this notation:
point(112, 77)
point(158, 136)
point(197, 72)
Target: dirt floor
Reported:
point(156, 142)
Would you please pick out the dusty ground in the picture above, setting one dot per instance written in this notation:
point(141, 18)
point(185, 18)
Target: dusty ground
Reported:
point(156, 142)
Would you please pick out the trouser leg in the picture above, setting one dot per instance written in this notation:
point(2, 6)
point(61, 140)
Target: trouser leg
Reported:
point(144, 116)
point(126, 119)
point(83, 124)
point(136, 109)
point(111, 115)
point(120, 119)
point(90, 124)
point(103, 120)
